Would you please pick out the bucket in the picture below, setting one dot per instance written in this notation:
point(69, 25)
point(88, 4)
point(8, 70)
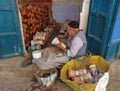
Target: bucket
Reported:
point(46, 78)
point(36, 54)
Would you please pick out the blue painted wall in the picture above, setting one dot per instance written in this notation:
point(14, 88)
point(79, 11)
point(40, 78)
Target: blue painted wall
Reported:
point(116, 30)
point(61, 13)
point(114, 45)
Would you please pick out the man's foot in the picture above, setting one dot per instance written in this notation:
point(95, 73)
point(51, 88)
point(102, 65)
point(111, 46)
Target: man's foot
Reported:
point(27, 62)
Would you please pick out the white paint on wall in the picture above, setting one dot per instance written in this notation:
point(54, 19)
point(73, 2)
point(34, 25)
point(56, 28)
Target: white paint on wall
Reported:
point(21, 28)
point(84, 15)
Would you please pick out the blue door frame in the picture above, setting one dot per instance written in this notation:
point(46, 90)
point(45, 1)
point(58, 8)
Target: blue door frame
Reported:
point(10, 35)
point(114, 40)
point(100, 25)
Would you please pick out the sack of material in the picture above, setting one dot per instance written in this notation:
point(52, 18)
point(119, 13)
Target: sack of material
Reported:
point(98, 86)
point(51, 58)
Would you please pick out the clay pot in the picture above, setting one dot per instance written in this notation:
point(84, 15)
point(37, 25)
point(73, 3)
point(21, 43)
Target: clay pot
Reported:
point(88, 78)
point(78, 79)
point(92, 68)
point(73, 73)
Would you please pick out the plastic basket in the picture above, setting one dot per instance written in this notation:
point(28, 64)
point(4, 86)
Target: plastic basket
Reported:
point(97, 60)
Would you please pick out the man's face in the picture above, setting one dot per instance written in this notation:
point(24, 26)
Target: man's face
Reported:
point(69, 31)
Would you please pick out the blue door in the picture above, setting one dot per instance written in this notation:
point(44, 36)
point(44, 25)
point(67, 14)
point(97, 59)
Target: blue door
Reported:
point(114, 44)
point(99, 26)
point(10, 35)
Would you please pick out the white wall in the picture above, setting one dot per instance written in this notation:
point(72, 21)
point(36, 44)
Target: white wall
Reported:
point(61, 13)
point(67, 2)
point(84, 15)
point(66, 9)
point(62, 10)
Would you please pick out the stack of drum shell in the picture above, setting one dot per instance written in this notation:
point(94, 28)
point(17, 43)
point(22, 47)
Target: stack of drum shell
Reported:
point(39, 38)
point(35, 17)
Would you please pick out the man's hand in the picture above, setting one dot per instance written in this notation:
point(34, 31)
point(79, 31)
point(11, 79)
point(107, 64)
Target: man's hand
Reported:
point(60, 36)
point(60, 46)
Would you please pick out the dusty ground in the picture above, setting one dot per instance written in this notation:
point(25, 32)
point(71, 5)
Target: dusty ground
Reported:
point(13, 77)
point(114, 81)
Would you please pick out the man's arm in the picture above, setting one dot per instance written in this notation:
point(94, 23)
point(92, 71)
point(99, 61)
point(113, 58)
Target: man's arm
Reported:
point(61, 46)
